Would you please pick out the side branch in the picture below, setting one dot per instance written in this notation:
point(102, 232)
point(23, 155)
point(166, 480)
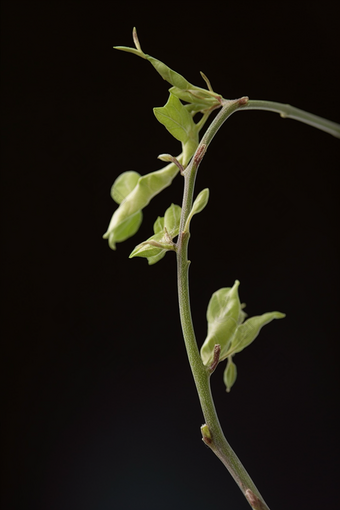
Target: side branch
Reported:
point(290, 112)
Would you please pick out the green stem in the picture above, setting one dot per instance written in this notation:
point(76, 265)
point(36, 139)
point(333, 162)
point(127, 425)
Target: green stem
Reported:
point(290, 112)
point(201, 373)
point(212, 432)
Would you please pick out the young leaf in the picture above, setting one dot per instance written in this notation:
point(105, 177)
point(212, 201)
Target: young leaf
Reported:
point(123, 185)
point(125, 229)
point(176, 119)
point(223, 315)
point(151, 247)
point(225, 325)
point(230, 374)
point(205, 100)
point(198, 206)
point(172, 219)
point(249, 330)
point(165, 229)
point(156, 258)
point(175, 79)
point(146, 188)
point(158, 226)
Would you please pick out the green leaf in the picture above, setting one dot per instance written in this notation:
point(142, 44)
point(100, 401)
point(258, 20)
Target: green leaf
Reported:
point(249, 330)
point(203, 99)
point(156, 258)
point(151, 247)
point(158, 226)
point(176, 119)
point(223, 315)
point(124, 230)
point(230, 374)
point(172, 218)
point(123, 185)
point(147, 187)
point(172, 77)
point(165, 229)
point(198, 206)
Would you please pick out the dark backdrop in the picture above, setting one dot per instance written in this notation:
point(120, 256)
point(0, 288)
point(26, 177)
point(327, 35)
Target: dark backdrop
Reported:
point(101, 410)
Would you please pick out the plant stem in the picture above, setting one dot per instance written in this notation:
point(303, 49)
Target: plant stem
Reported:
point(201, 373)
point(290, 112)
point(215, 438)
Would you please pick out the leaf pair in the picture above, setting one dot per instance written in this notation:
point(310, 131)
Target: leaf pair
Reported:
point(226, 327)
point(165, 230)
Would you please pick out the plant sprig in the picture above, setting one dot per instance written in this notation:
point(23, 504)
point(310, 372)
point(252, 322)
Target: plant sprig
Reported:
point(229, 329)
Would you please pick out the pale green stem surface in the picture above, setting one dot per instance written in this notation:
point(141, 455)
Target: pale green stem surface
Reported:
point(201, 373)
point(290, 112)
point(218, 443)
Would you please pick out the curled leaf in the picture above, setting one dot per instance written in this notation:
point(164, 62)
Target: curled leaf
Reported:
point(172, 77)
point(206, 99)
point(124, 223)
point(124, 230)
point(165, 229)
point(223, 313)
point(228, 328)
point(123, 185)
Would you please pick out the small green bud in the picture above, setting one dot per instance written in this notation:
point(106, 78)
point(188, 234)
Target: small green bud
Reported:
point(206, 434)
point(230, 374)
point(199, 204)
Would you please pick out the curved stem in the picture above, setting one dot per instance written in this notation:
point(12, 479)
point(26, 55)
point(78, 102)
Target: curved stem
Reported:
point(217, 441)
point(290, 112)
point(212, 432)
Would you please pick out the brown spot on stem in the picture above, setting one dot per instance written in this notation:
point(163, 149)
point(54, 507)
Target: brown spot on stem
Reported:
point(243, 100)
point(201, 149)
point(255, 502)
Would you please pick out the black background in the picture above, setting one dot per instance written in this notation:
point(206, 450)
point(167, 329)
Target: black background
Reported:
point(101, 410)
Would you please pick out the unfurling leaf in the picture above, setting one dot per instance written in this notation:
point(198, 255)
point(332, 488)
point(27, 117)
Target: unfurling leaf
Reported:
point(127, 218)
point(165, 229)
point(230, 374)
point(172, 219)
point(226, 327)
point(123, 186)
point(172, 77)
point(204, 100)
point(223, 315)
point(124, 230)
